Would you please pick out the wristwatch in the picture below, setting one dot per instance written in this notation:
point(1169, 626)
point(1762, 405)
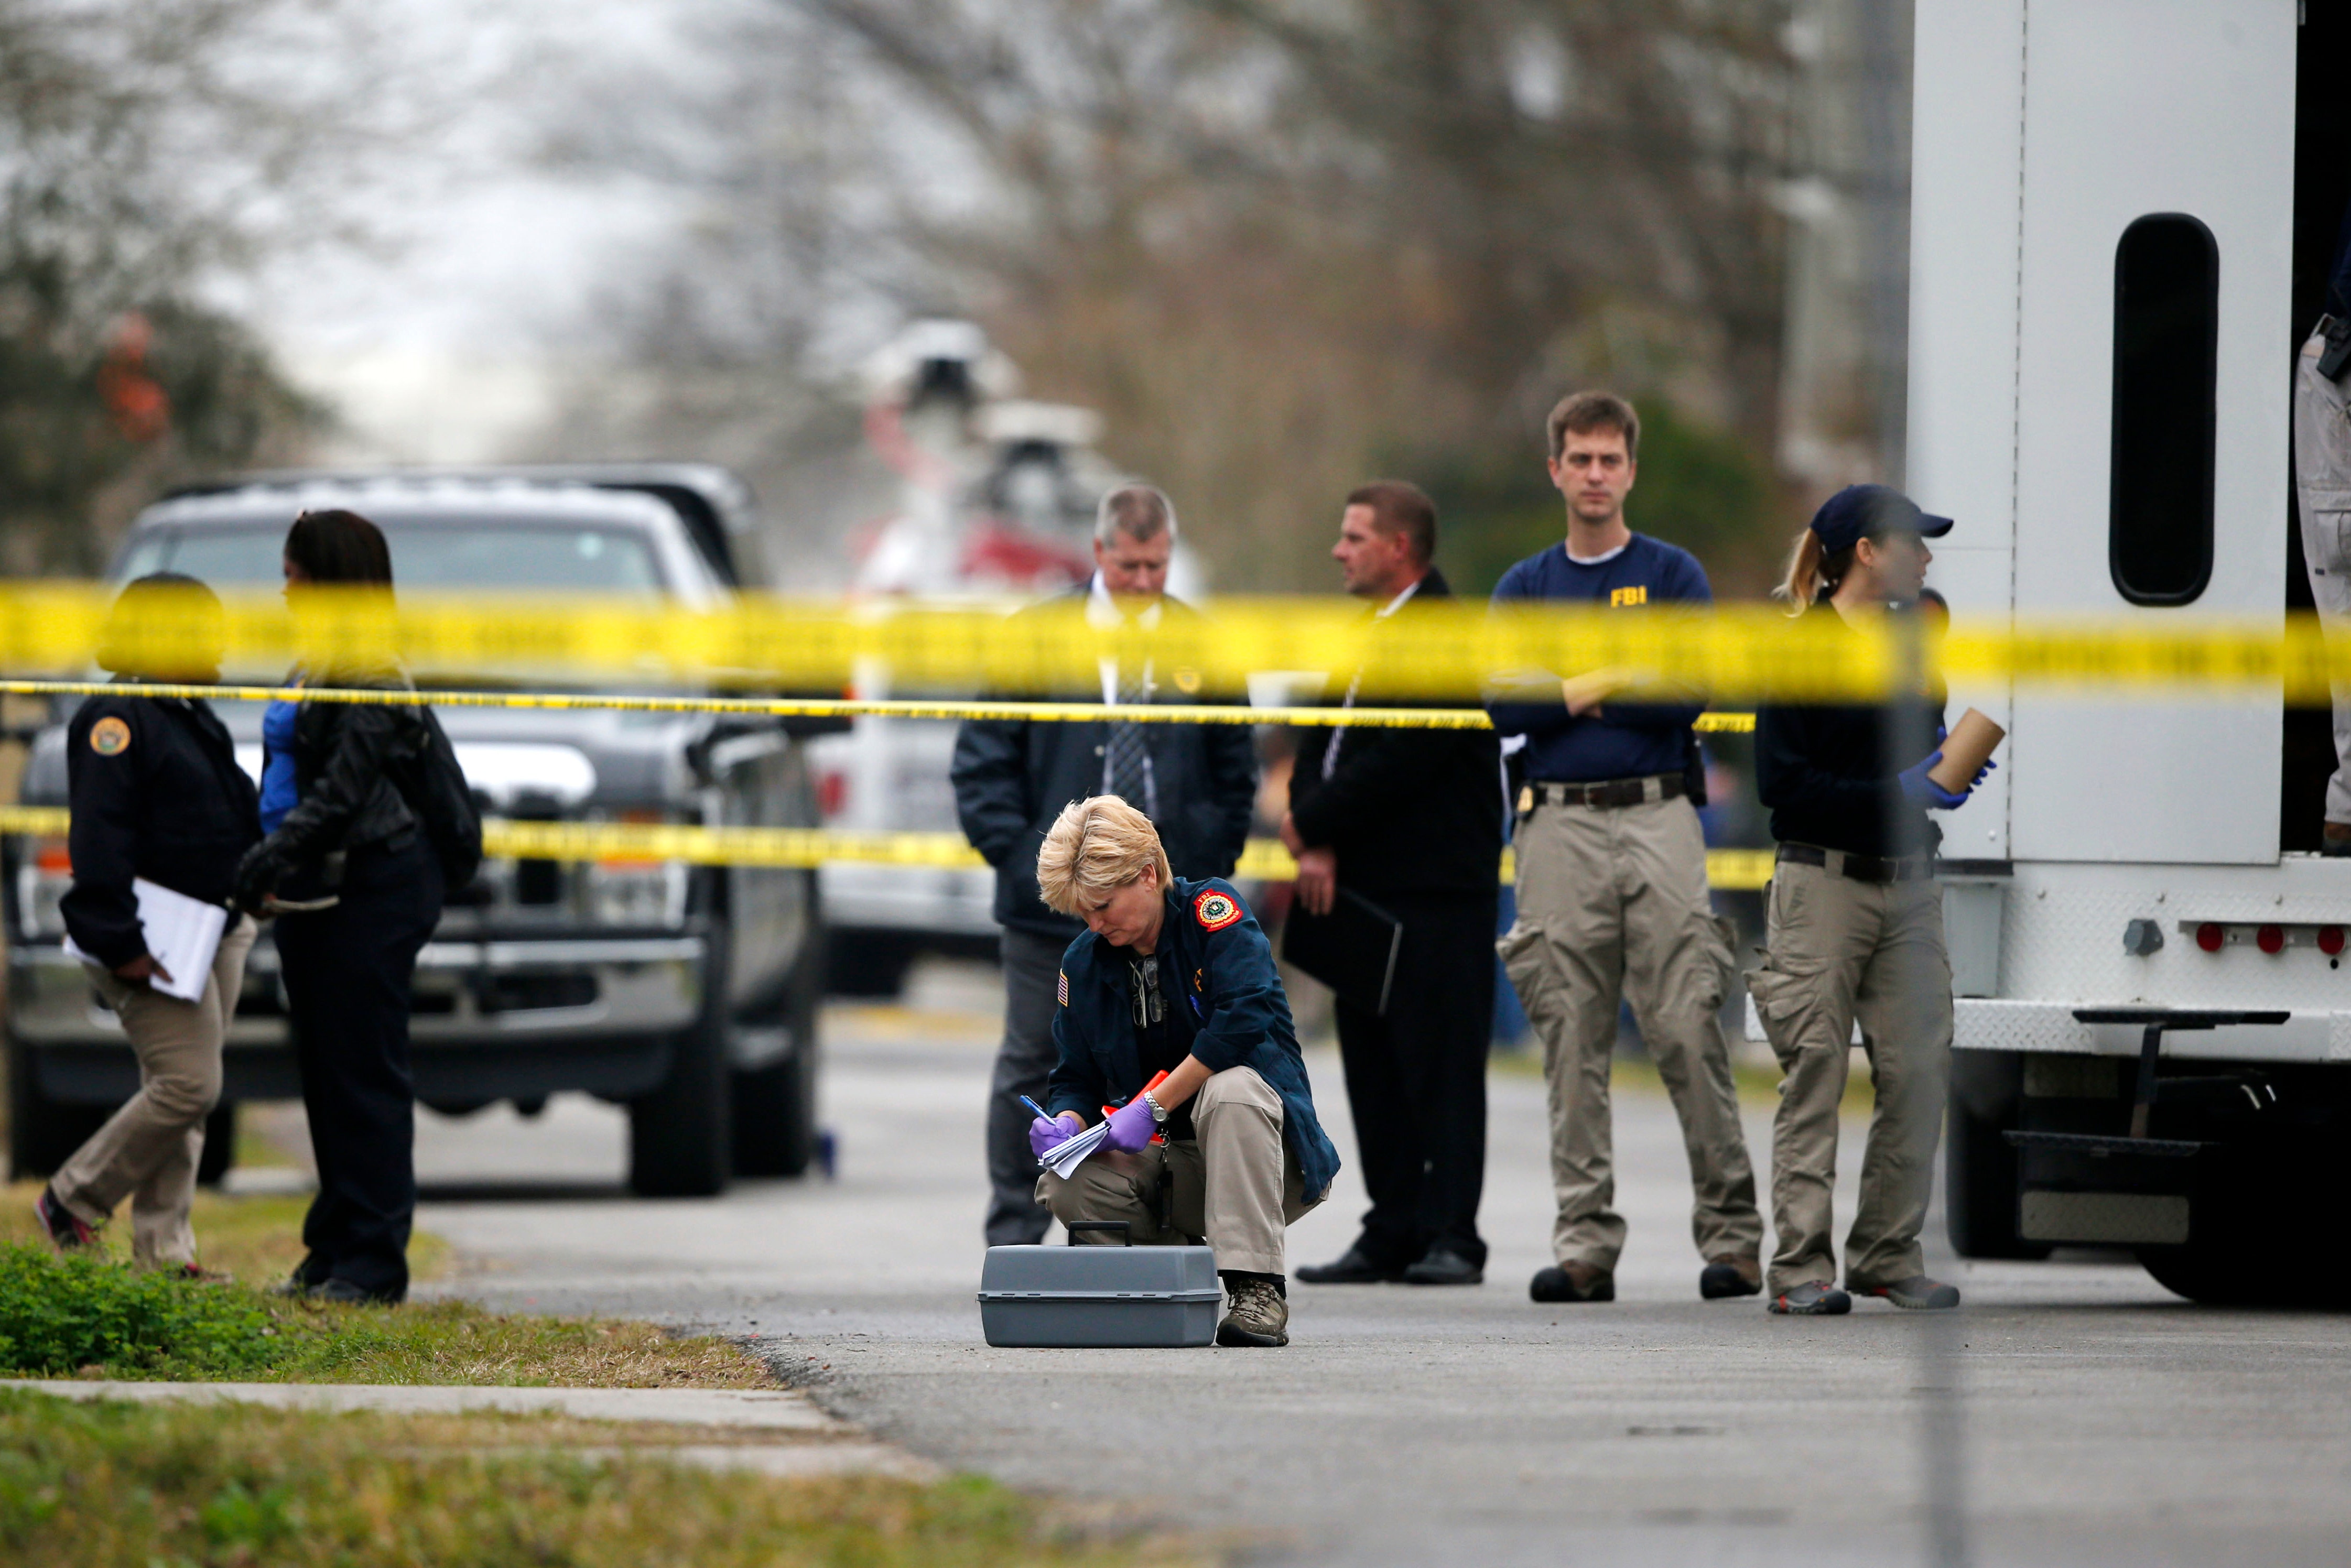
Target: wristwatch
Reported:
point(1158, 1112)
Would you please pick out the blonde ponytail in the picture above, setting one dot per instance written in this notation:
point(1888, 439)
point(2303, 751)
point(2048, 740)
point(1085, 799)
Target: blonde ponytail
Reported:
point(1812, 575)
point(1804, 583)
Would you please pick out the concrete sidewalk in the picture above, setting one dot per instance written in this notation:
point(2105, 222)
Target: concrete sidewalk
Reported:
point(795, 1437)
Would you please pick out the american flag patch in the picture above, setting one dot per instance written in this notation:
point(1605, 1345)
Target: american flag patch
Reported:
point(1065, 988)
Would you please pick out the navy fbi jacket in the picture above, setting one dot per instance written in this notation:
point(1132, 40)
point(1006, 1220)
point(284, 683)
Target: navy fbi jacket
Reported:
point(1623, 740)
point(1212, 951)
point(156, 792)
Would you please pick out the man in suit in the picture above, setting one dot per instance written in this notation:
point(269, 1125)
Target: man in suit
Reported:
point(1411, 820)
point(1196, 782)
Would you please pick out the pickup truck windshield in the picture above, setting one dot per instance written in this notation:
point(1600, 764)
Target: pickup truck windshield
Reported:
point(493, 555)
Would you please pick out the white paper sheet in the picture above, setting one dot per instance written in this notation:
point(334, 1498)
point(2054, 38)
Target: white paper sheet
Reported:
point(1063, 1158)
point(183, 935)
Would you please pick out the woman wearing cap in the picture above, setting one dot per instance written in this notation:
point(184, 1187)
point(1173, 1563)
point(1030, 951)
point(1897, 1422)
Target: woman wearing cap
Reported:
point(343, 838)
point(1176, 977)
point(157, 796)
point(1855, 928)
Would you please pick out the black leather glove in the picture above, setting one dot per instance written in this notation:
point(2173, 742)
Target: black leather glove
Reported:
point(258, 875)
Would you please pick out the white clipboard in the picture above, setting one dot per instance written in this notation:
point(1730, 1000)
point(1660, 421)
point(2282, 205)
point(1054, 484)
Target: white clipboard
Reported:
point(183, 935)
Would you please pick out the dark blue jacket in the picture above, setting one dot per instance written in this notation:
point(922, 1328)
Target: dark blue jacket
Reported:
point(1623, 740)
point(1239, 1009)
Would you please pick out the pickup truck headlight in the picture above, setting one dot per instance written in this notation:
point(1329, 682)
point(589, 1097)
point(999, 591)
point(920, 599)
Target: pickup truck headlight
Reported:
point(42, 880)
point(633, 893)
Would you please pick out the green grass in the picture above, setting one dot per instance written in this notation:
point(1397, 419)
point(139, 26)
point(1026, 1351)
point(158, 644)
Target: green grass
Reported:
point(97, 1318)
point(121, 1486)
point(255, 1238)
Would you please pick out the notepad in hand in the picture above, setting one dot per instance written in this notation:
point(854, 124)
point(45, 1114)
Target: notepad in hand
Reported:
point(1068, 1155)
point(1352, 949)
point(183, 935)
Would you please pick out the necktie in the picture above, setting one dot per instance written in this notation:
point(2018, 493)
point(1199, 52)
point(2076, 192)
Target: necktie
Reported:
point(1126, 763)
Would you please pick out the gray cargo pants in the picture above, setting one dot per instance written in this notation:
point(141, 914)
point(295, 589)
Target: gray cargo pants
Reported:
point(1032, 969)
point(1841, 950)
point(1613, 902)
point(2322, 468)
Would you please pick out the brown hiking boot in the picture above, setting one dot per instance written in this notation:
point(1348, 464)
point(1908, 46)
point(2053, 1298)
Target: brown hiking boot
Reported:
point(1730, 1276)
point(1573, 1282)
point(1258, 1315)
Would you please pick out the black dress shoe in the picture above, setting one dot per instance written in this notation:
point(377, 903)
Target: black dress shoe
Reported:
point(1351, 1268)
point(342, 1293)
point(1444, 1266)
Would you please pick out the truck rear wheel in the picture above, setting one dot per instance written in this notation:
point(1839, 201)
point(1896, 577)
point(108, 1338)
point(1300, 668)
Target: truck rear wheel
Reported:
point(43, 1133)
point(2248, 1247)
point(680, 1142)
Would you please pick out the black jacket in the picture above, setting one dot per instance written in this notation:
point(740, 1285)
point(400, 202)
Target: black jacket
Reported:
point(1824, 773)
point(1012, 776)
point(1409, 810)
point(155, 792)
point(344, 755)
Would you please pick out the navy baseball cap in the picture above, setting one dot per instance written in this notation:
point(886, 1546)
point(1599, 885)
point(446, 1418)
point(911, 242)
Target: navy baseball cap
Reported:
point(1859, 511)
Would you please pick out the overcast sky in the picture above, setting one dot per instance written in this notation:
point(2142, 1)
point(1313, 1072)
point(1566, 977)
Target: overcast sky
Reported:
point(436, 341)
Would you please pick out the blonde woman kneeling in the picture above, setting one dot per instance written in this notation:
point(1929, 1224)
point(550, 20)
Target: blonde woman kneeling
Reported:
point(1176, 977)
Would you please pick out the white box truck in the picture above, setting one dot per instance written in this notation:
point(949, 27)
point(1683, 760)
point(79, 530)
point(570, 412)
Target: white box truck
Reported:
point(2121, 213)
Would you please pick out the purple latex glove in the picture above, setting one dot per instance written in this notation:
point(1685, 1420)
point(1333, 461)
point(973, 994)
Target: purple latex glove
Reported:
point(1130, 1127)
point(1045, 1136)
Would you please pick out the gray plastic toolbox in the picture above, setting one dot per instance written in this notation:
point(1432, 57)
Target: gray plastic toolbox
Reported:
point(1130, 1297)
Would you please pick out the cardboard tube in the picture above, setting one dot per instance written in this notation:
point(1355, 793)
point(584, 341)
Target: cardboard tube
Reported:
point(1965, 751)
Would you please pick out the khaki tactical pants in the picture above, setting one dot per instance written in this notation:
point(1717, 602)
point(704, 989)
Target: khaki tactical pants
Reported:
point(1841, 950)
point(147, 1150)
point(1613, 902)
point(1236, 1186)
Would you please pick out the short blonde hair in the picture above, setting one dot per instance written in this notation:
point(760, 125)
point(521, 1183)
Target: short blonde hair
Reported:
point(1095, 848)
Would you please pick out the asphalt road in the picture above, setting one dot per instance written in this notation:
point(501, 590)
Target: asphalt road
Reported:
point(2071, 1413)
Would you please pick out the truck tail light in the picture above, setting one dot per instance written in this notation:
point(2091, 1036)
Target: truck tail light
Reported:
point(2211, 936)
point(2330, 940)
point(2270, 938)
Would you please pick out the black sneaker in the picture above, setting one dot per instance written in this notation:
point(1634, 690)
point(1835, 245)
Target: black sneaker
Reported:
point(1917, 1294)
point(67, 1231)
point(1443, 1266)
point(1813, 1299)
point(1726, 1277)
point(1352, 1267)
point(1572, 1283)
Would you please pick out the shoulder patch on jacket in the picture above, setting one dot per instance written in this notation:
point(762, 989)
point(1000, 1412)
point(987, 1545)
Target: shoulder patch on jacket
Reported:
point(1215, 910)
point(110, 737)
point(1065, 988)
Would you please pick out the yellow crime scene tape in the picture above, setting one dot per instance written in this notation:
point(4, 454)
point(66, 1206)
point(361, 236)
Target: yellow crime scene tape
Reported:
point(1733, 654)
point(826, 707)
point(1263, 859)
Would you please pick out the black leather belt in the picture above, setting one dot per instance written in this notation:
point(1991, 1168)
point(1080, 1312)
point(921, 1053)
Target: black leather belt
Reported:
point(1608, 792)
point(1861, 868)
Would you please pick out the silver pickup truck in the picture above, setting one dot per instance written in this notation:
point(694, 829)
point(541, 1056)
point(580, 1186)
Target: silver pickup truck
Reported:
point(688, 994)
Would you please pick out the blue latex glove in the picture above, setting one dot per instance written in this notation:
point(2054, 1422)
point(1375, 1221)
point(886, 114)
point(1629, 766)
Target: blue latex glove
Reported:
point(1045, 1136)
point(1942, 734)
point(1130, 1127)
point(1921, 790)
